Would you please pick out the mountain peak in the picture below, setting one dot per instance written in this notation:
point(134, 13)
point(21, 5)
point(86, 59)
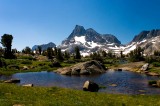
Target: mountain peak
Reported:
point(146, 35)
point(78, 31)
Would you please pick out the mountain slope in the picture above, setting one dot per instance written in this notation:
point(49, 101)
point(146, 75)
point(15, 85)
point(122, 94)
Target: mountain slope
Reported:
point(148, 40)
point(44, 46)
point(88, 40)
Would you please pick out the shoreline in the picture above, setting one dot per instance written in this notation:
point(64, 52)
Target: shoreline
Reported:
point(134, 67)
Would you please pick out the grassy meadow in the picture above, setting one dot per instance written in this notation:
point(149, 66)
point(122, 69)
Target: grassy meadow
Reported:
point(11, 94)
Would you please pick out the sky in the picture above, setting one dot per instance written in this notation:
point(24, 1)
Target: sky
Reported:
point(35, 22)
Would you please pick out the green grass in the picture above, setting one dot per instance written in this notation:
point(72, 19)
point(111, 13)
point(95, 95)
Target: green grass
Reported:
point(11, 94)
point(34, 66)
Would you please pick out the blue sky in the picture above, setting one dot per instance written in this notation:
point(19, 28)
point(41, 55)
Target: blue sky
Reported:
point(42, 21)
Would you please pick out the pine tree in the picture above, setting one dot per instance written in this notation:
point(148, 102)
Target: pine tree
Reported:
point(59, 55)
point(50, 53)
point(6, 41)
point(40, 49)
point(66, 55)
point(77, 53)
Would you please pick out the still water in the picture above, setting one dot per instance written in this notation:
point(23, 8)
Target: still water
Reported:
point(125, 82)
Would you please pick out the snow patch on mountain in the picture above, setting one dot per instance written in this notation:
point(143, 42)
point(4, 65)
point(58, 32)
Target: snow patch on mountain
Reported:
point(80, 39)
point(129, 48)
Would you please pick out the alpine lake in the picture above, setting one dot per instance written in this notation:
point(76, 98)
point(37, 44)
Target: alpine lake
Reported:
point(114, 82)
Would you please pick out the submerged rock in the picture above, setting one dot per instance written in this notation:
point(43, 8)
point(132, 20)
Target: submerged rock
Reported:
point(85, 68)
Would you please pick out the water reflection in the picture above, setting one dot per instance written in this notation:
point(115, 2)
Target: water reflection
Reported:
point(126, 82)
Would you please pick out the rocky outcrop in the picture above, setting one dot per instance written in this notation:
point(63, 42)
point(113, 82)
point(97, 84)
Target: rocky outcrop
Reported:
point(90, 86)
point(85, 68)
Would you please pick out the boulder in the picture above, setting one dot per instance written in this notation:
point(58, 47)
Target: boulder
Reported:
point(158, 83)
point(90, 86)
point(85, 68)
point(119, 69)
point(145, 67)
point(25, 68)
point(12, 81)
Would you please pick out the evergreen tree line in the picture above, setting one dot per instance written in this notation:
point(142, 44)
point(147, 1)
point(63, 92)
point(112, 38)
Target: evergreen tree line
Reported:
point(8, 52)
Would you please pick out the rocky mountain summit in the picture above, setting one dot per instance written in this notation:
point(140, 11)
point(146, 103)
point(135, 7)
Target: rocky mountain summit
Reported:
point(89, 36)
point(148, 40)
point(88, 40)
point(144, 35)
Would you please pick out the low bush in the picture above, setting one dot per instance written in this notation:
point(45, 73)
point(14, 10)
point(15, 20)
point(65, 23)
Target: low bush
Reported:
point(55, 64)
point(2, 63)
point(156, 64)
point(26, 62)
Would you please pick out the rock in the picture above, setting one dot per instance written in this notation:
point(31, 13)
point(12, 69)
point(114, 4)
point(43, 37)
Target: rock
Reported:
point(119, 69)
point(141, 90)
point(25, 68)
point(64, 71)
point(158, 83)
point(12, 81)
point(154, 85)
point(145, 67)
point(85, 72)
point(85, 68)
point(113, 85)
point(75, 71)
point(152, 74)
point(90, 86)
point(28, 85)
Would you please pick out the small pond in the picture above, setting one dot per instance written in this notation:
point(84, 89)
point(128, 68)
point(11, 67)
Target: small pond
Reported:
point(123, 82)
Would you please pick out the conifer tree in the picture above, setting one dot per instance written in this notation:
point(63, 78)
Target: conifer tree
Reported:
point(77, 53)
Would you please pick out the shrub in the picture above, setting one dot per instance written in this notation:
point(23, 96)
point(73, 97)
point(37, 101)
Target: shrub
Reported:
point(55, 64)
point(26, 62)
point(2, 63)
point(156, 64)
